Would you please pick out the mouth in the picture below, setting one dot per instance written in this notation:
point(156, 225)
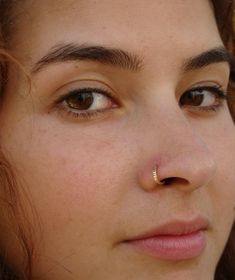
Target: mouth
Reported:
point(174, 241)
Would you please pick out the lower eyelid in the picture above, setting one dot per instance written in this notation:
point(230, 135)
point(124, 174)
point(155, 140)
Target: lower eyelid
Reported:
point(82, 115)
point(87, 115)
point(206, 109)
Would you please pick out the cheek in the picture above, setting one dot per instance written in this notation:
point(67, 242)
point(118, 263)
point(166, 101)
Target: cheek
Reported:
point(220, 139)
point(222, 194)
point(69, 177)
point(72, 194)
point(224, 148)
point(72, 180)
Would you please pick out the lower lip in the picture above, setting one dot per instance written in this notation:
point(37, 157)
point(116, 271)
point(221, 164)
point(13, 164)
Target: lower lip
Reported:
point(173, 247)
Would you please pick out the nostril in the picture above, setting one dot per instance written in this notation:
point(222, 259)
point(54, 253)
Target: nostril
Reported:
point(168, 181)
point(173, 180)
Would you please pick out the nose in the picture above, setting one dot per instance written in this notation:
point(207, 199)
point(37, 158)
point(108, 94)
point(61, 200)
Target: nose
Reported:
point(188, 171)
point(183, 159)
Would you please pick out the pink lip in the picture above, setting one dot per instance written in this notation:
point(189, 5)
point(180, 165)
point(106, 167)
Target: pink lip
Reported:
point(175, 240)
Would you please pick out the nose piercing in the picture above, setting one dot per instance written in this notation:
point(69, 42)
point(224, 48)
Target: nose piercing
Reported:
point(155, 177)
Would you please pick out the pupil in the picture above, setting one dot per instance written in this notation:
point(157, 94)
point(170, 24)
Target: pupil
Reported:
point(80, 101)
point(192, 99)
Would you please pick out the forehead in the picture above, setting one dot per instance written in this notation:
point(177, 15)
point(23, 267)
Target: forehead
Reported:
point(153, 27)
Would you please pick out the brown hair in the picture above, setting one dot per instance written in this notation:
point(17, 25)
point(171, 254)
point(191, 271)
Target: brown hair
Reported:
point(224, 10)
point(224, 13)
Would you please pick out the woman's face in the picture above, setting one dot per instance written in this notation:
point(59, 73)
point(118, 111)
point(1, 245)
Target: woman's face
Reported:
point(117, 88)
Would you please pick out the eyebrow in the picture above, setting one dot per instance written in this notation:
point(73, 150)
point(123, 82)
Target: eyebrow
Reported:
point(215, 55)
point(123, 59)
point(104, 55)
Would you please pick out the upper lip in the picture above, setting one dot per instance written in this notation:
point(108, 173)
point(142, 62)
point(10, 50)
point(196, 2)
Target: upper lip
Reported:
point(176, 227)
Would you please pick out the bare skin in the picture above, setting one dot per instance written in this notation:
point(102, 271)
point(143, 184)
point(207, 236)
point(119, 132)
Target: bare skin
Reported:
point(90, 176)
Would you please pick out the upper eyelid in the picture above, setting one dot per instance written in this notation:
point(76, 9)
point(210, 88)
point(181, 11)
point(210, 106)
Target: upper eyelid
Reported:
point(101, 84)
point(219, 88)
point(100, 89)
point(216, 88)
point(69, 93)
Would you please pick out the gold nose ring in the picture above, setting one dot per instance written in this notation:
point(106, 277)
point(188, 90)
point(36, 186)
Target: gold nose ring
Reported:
point(155, 177)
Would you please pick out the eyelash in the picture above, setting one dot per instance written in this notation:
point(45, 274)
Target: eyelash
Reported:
point(217, 91)
point(86, 114)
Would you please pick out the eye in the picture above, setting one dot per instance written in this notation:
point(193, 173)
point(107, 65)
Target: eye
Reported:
point(209, 98)
point(87, 99)
point(86, 102)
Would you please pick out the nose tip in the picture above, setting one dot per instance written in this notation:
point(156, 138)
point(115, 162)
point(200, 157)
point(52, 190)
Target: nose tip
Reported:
point(188, 171)
point(182, 155)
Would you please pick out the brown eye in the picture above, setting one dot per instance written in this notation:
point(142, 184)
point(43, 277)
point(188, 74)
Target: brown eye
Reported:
point(193, 98)
point(87, 100)
point(208, 98)
point(80, 101)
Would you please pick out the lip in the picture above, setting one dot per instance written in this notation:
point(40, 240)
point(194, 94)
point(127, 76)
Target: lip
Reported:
point(175, 240)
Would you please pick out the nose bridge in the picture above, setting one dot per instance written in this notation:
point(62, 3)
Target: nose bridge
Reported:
point(169, 128)
point(179, 151)
point(179, 136)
